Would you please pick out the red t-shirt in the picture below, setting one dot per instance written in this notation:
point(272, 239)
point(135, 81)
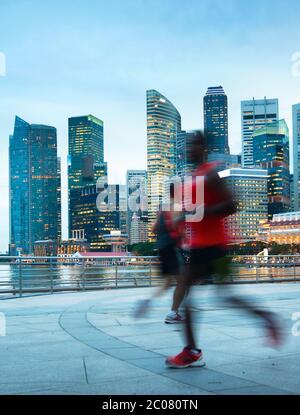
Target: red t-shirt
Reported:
point(210, 231)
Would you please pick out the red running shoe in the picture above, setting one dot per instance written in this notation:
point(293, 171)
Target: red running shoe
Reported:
point(185, 359)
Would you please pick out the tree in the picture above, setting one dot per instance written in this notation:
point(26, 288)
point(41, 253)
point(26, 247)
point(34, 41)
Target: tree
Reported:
point(143, 249)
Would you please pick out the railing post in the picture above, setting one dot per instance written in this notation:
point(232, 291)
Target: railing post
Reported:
point(294, 266)
point(256, 275)
point(52, 270)
point(20, 278)
point(150, 273)
point(116, 273)
point(83, 274)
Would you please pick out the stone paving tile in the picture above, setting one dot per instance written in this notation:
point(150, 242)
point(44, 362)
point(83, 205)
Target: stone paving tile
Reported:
point(54, 351)
point(102, 320)
point(99, 370)
point(129, 353)
point(154, 364)
point(22, 388)
point(254, 390)
point(147, 385)
point(137, 329)
point(67, 370)
point(155, 340)
point(288, 380)
point(44, 392)
point(209, 380)
point(14, 340)
point(282, 362)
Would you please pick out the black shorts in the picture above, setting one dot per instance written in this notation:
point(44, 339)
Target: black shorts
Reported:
point(202, 262)
point(169, 259)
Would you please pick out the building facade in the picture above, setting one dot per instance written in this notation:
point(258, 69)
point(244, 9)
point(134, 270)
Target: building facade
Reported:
point(92, 217)
point(255, 114)
point(271, 152)
point(225, 161)
point(249, 189)
point(136, 183)
point(86, 158)
point(59, 212)
point(215, 108)
point(34, 185)
point(296, 153)
point(85, 149)
point(138, 229)
point(183, 165)
point(284, 228)
point(163, 124)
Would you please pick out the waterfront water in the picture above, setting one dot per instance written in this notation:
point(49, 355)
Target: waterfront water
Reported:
point(75, 276)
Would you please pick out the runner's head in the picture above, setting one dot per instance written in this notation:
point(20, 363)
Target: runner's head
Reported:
point(197, 148)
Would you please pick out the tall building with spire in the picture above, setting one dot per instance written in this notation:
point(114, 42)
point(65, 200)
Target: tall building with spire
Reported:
point(163, 124)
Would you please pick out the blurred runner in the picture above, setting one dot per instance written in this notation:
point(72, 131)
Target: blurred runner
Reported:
point(207, 242)
point(169, 229)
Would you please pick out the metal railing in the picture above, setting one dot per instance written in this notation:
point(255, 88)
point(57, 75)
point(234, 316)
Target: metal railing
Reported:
point(31, 275)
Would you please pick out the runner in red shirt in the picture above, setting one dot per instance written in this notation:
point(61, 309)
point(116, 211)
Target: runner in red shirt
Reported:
point(207, 240)
point(169, 229)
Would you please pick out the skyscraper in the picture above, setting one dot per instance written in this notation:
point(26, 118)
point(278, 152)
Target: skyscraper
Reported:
point(137, 193)
point(123, 208)
point(183, 166)
point(271, 152)
point(85, 149)
point(216, 120)
point(88, 221)
point(138, 229)
point(249, 189)
point(86, 156)
point(163, 124)
point(255, 113)
point(296, 153)
point(33, 185)
point(59, 224)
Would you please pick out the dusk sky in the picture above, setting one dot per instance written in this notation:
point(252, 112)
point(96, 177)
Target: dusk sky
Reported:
point(66, 58)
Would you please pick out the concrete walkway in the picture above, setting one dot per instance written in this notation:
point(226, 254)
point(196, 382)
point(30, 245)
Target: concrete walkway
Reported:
point(87, 343)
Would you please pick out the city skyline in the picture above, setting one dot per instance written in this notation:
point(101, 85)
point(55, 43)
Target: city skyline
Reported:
point(64, 83)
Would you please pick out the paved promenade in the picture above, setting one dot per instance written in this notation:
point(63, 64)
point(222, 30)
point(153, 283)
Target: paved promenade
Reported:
point(87, 343)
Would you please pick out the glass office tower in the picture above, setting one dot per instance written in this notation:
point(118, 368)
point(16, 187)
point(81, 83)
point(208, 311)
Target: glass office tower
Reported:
point(85, 149)
point(183, 165)
point(216, 120)
point(34, 184)
point(163, 124)
point(90, 222)
point(255, 114)
point(86, 157)
point(59, 223)
point(296, 154)
point(271, 152)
